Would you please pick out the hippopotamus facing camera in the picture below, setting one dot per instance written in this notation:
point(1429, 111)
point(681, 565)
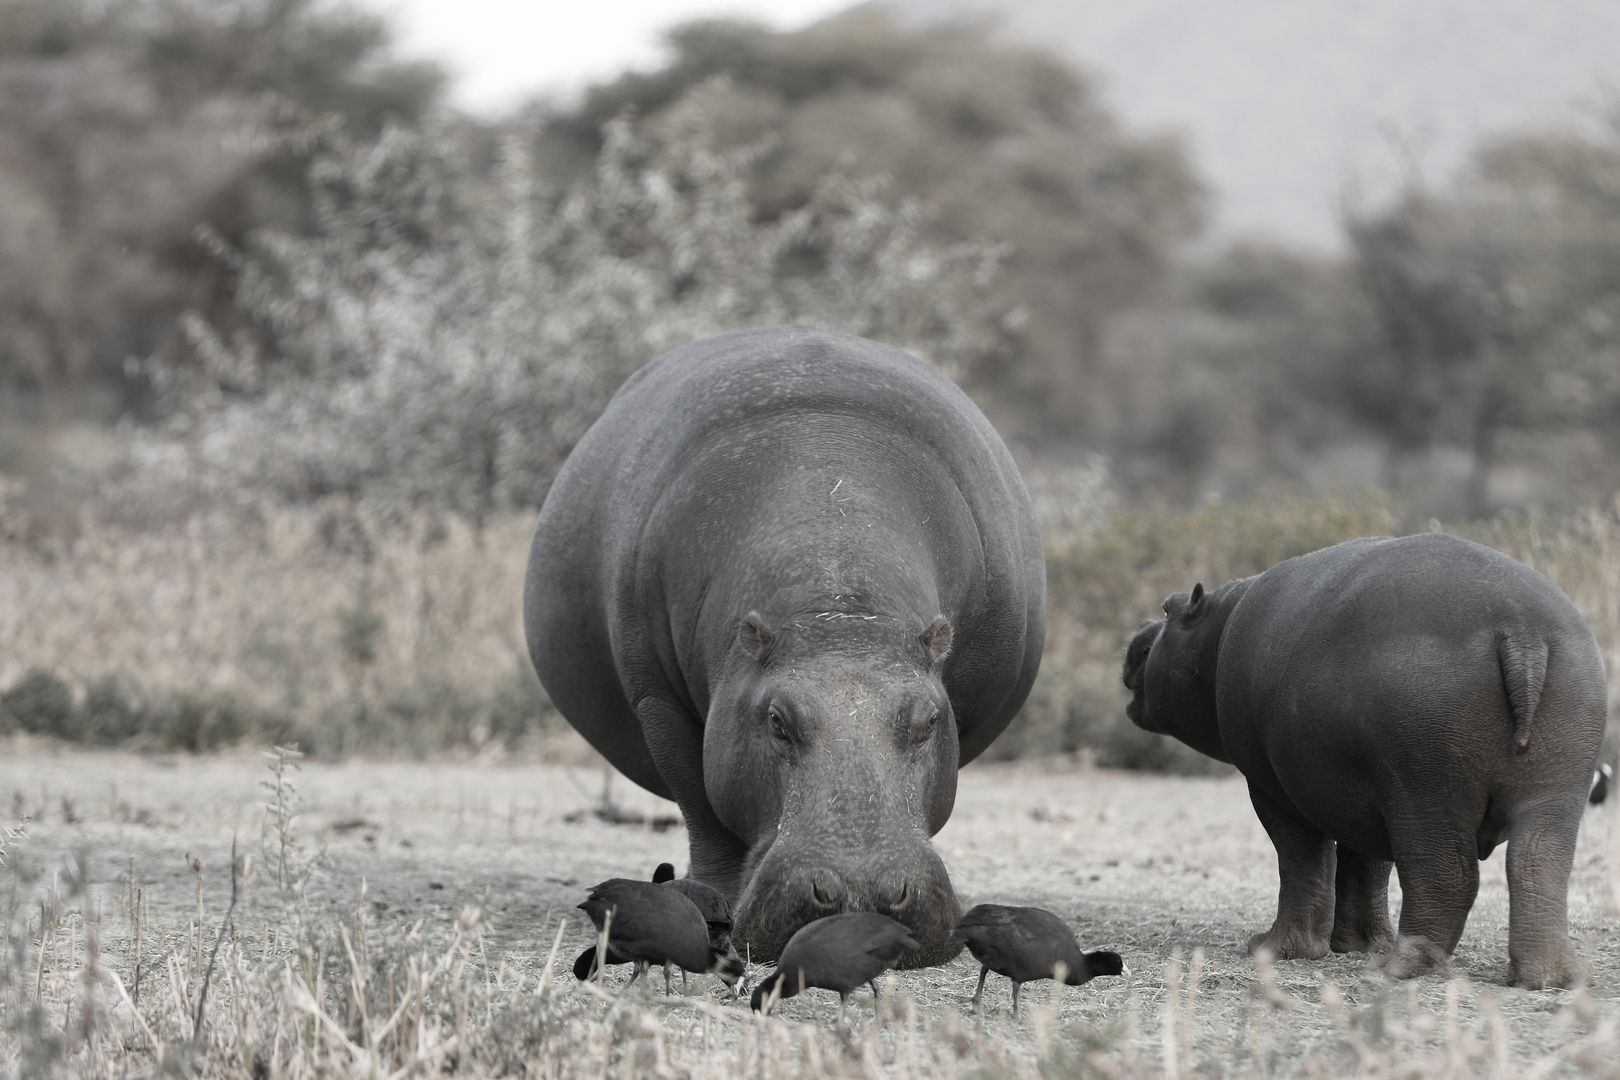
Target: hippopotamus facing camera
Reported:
point(1413, 700)
point(792, 580)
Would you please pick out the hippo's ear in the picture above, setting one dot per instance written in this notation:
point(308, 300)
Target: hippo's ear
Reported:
point(754, 636)
point(1195, 605)
point(936, 640)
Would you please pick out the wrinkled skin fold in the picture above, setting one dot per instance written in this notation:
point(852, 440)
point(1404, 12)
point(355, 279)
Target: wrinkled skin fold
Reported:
point(791, 579)
point(1395, 704)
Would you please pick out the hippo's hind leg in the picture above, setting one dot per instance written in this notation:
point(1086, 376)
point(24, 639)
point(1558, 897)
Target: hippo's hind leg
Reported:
point(1540, 855)
point(1305, 861)
point(1361, 904)
point(1438, 866)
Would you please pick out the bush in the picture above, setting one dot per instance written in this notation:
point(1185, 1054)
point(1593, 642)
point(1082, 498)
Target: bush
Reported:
point(198, 722)
point(445, 337)
point(419, 720)
point(435, 716)
point(1073, 708)
point(40, 704)
point(1110, 578)
point(114, 711)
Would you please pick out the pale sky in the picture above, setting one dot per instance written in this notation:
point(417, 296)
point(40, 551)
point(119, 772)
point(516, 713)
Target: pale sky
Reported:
point(1288, 108)
point(502, 51)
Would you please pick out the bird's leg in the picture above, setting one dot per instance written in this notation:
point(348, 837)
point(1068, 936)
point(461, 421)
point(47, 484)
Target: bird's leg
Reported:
point(979, 993)
point(877, 999)
point(666, 977)
point(683, 980)
point(1016, 985)
point(641, 965)
point(843, 1003)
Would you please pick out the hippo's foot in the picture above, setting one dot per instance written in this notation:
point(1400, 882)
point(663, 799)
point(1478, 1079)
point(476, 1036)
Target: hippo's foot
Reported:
point(1348, 939)
point(1559, 969)
point(1289, 943)
point(1411, 957)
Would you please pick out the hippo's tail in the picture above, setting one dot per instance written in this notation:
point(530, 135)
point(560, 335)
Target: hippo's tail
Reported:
point(1523, 657)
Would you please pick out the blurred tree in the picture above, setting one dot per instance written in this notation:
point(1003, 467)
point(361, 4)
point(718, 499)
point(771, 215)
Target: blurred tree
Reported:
point(124, 125)
point(1498, 302)
point(445, 337)
point(325, 57)
point(1007, 140)
point(1260, 336)
point(1557, 198)
point(1465, 350)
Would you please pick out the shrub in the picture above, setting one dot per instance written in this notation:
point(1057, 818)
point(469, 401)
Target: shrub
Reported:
point(200, 721)
point(445, 337)
point(1075, 708)
point(40, 704)
point(114, 711)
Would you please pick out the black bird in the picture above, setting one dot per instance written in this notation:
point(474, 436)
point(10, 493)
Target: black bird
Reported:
point(1601, 779)
point(711, 903)
point(655, 925)
point(837, 953)
point(1025, 944)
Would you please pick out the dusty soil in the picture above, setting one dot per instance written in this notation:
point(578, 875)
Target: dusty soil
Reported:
point(1146, 865)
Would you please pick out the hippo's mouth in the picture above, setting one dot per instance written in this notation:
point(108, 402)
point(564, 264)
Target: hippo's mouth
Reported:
point(774, 906)
point(1136, 713)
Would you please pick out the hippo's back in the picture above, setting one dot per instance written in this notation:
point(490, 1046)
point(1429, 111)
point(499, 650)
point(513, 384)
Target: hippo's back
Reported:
point(1431, 584)
point(702, 485)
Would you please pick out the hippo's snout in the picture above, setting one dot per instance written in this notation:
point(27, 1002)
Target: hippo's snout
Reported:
point(780, 900)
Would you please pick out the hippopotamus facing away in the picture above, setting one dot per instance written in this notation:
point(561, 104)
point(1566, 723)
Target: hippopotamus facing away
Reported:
point(1413, 699)
point(792, 580)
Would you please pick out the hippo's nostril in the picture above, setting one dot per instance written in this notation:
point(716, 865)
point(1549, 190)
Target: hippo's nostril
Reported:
point(824, 894)
point(901, 895)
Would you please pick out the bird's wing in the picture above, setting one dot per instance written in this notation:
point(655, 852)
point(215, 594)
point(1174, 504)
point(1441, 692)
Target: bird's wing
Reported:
point(886, 943)
point(984, 920)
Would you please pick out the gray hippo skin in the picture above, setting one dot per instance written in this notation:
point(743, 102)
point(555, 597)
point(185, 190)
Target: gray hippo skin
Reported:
point(1413, 700)
point(791, 579)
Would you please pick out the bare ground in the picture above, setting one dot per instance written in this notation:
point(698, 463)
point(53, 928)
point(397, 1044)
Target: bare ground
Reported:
point(1153, 867)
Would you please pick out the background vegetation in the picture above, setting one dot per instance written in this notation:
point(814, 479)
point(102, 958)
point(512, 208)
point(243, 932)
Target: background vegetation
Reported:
point(344, 633)
point(289, 351)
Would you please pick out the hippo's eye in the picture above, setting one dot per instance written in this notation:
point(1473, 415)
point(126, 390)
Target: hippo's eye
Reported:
point(779, 724)
point(922, 729)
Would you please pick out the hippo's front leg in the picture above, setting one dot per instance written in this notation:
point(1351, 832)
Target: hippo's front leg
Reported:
point(1305, 863)
point(1361, 904)
point(675, 740)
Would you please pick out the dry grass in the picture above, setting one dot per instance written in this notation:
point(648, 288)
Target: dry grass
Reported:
point(230, 608)
point(311, 618)
point(334, 631)
point(426, 927)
